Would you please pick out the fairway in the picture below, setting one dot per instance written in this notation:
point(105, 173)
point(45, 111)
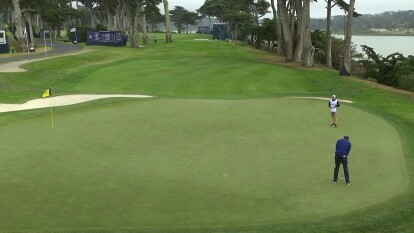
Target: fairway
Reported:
point(191, 163)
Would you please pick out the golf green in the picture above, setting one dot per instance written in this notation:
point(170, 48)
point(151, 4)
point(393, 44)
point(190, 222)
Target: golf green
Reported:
point(183, 163)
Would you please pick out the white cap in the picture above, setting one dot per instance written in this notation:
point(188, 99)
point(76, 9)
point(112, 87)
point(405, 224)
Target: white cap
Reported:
point(334, 96)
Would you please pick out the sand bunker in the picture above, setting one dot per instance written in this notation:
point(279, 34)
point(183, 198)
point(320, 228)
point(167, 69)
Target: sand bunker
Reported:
point(76, 99)
point(320, 98)
point(61, 101)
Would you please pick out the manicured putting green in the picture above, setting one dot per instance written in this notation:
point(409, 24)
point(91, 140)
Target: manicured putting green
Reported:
point(173, 162)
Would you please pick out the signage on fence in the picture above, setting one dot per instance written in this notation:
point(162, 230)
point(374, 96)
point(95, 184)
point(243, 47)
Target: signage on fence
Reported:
point(110, 38)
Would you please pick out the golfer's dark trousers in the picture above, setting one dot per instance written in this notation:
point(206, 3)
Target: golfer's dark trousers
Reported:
point(344, 161)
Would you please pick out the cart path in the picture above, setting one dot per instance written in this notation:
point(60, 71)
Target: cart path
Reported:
point(11, 64)
point(13, 67)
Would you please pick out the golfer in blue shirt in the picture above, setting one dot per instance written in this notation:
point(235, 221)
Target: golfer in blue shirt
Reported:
point(343, 147)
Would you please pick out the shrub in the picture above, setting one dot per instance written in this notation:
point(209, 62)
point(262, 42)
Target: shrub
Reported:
point(100, 27)
point(406, 82)
point(372, 80)
point(80, 31)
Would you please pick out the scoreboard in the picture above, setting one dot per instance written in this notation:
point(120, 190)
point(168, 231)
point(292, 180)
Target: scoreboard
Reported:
point(110, 38)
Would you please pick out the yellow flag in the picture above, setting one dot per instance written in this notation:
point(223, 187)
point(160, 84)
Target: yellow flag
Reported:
point(47, 93)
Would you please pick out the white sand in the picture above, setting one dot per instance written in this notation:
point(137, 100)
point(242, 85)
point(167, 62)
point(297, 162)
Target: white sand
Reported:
point(76, 99)
point(60, 101)
point(320, 98)
point(13, 67)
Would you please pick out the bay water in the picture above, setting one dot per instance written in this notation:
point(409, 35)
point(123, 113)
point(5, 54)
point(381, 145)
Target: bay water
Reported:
point(384, 45)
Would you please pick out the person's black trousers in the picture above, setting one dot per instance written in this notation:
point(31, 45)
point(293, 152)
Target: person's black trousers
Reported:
point(338, 161)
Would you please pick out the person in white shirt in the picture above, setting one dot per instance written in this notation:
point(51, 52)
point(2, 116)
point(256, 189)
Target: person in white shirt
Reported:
point(333, 105)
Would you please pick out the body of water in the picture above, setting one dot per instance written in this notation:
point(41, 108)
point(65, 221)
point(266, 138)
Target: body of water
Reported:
point(384, 45)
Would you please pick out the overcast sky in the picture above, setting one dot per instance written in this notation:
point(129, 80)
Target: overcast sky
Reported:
point(318, 9)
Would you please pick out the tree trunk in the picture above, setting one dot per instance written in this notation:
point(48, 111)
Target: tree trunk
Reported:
point(110, 19)
point(19, 37)
point(144, 30)
point(308, 49)
point(277, 26)
point(93, 24)
point(118, 24)
point(348, 37)
point(280, 40)
point(168, 36)
point(255, 16)
point(37, 23)
point(328, 51)
point(130, 20)
point(287, 35)
point(9, 20)
point(133, 25)
point(29, 20)
point(123, 19)
point(301, 24)
point(143, 25)
point(13, 20)
point(136, 26)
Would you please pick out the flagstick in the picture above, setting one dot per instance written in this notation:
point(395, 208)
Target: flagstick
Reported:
point(51, 110)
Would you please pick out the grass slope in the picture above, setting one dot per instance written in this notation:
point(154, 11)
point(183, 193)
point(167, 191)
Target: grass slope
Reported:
point(194, 69)
point(166, 70)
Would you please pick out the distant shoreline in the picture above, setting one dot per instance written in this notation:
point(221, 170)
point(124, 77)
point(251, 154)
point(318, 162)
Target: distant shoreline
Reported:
point(383, 44)
point(377, 33)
